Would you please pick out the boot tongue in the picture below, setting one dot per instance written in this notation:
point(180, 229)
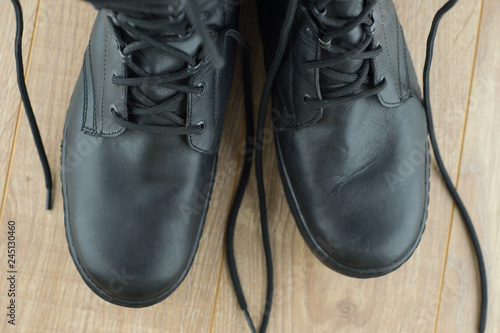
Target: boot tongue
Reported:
point(338, 14)
point(345, 9)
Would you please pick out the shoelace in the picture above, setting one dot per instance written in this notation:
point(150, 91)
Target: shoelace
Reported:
point(146, 107)
point(437, 154)
point(334, 98)
point(349, 84)
point(159, 33)
point(250, 147)
point(143, 106)
point(21, 81)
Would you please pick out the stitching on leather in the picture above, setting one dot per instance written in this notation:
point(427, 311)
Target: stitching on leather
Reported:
point(191, 115)
point(85, 93)
point(226, 6)
point(217, 115)
point(282, 126)
point(408, 72)
point(94, 98)
point(387, 51)
point(400, 88)
point(92, 81)
point(190, 137)
point(292, 84)
point(85, 128)
point(104, 79)
point(319, 113)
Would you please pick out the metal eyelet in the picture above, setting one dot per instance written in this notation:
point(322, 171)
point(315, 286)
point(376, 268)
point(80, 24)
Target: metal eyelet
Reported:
point(125, 58)
point(186, 35)
point(305, 98)
point(325, 44)
point(202, 125)
point(370, 29)
point(318, 12)
point(202, 85)
point(113, 109)
point(193, 69)
point(382, 78)
point(117, 43)
point(114, 19)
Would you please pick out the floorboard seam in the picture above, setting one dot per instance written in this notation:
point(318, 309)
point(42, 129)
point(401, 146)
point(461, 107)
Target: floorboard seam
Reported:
point(460, 155)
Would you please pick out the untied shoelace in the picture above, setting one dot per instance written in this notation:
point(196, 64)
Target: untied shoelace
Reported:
point(256, 147)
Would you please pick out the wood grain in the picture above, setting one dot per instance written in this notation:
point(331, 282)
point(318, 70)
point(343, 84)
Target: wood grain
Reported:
point(10, 101)
point(51, 295)
point(479, 184)
point(308, 296)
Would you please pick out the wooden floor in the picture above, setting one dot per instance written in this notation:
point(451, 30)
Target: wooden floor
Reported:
point(436, 291)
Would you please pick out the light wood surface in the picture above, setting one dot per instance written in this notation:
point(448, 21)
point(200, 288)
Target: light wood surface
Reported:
point(436, 291)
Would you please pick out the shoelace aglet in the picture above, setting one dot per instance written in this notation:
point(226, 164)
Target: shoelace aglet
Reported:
point(48, 202)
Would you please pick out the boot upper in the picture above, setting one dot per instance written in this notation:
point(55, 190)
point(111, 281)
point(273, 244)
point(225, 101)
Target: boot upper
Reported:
point(136, 199)
point(355, 173)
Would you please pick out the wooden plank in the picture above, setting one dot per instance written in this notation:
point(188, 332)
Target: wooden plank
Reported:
point(11, 101)
point(51, 295)
point(308, 296)
point(478, 184)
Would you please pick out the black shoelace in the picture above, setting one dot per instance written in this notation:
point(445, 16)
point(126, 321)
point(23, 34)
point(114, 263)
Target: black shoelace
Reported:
point(343, 94)
point(350, 85)
point(21, 81)
point(150, 32)
point(449, 184)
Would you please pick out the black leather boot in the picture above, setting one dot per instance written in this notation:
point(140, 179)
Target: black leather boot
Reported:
point(350, 132)
point(140, 143)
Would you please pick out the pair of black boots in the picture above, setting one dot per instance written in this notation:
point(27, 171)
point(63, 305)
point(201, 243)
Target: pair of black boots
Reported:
point(142, 133)
point(143, 130)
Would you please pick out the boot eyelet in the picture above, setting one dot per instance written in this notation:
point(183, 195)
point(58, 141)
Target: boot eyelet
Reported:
point(325, 44)
point(306, 98)
point(187, 34)
point(117, 43)
point(113, 109)
point(193, 69)
point(202, 125)
point(370, 29)
point(318, 12)
point(382, 78)
point(126, 58)
point(204, 88)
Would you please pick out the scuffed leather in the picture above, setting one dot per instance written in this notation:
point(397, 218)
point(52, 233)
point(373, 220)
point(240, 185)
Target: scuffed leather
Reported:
point(136, 202)
point(356, 178)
